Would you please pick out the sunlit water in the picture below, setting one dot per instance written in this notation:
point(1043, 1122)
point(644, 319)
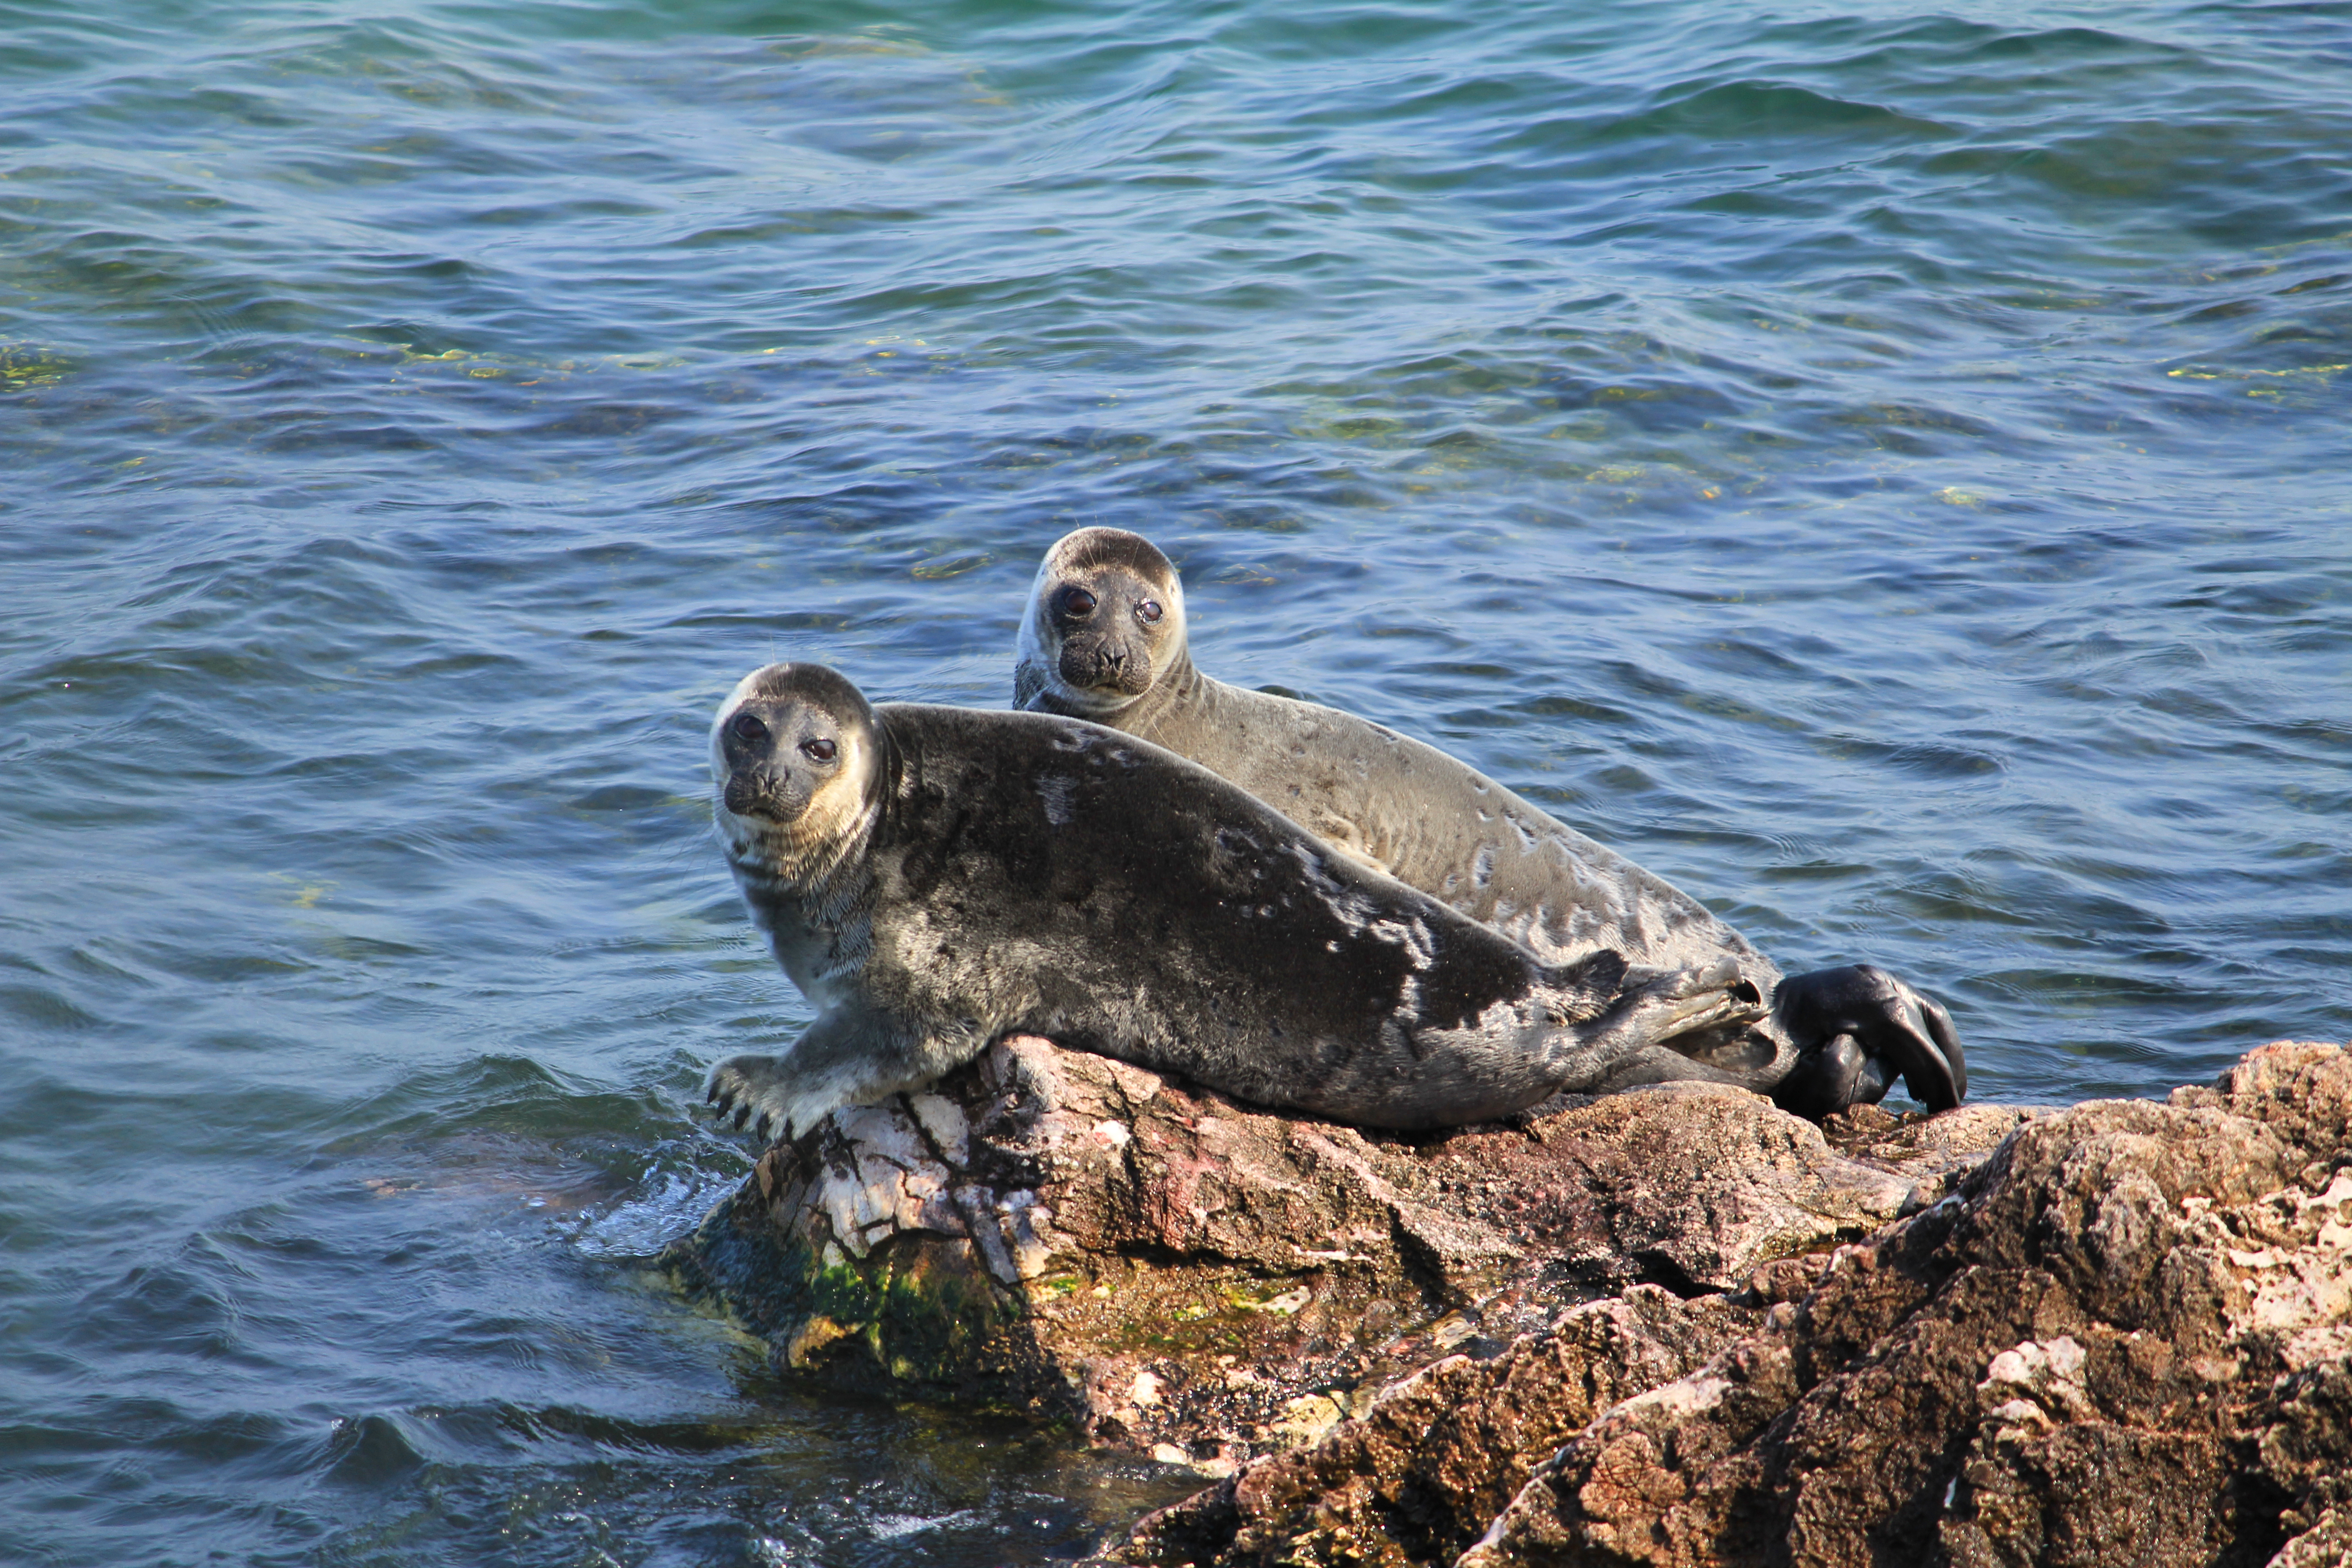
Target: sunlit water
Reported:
point(1885, 470)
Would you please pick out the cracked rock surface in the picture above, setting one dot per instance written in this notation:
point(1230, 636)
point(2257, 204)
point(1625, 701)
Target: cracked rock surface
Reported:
point(2126, 1338)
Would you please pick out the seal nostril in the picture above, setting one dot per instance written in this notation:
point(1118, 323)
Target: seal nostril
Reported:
point(747, 728)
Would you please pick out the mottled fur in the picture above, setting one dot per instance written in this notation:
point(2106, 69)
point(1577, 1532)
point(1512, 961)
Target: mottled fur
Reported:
point(935, 877)
point(1437, 825)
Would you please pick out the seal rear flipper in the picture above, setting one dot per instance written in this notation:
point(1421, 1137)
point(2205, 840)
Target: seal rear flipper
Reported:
point(1665, 1064)
point(1750, 1053)
point(1838, 1075)
point(1860, 1010)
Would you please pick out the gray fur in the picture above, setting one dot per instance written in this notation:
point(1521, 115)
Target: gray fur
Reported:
point(942, 877)
point(1440, 826)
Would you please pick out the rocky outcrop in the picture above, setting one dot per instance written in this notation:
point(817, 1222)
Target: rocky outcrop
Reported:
point(2127, 1338)
point(1669, 1327)
point(1180, 1275)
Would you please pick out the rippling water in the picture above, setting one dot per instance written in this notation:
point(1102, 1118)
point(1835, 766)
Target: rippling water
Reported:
point(1885, 469)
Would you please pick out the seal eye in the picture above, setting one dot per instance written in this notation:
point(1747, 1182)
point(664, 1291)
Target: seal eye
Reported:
point(819, 748)
point(1077, 604)
point(1150, 612)
point(747, 728)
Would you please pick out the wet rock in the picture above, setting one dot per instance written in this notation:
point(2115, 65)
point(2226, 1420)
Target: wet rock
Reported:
point(1670, 1326)
point(1189, 1278)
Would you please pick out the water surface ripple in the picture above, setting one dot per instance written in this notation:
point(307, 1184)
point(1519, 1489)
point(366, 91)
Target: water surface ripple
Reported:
point(1885, 469)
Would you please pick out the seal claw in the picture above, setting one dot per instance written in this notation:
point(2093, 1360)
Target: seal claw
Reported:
point(759, 1095)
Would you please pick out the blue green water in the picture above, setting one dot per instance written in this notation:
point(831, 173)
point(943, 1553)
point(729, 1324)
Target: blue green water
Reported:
point(1888, 469)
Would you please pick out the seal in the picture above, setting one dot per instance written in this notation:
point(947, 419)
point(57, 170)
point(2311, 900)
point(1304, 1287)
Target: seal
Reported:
point(1104, 638)
point(934, 878)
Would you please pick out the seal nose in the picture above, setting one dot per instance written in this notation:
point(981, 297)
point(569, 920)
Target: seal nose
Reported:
point(748, 752)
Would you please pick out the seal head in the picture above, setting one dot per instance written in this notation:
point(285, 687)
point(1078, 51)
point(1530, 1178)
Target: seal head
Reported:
point(794, 755)
point(1106, 624)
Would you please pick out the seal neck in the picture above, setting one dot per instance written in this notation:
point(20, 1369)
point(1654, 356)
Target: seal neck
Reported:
point(1177, 692)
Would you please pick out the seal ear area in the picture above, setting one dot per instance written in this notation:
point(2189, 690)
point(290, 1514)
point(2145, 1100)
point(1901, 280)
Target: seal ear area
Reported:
point(797, 681)
point(1088, 550)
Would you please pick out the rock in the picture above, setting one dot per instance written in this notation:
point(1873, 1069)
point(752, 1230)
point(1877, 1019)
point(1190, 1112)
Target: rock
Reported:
point(1434, 1457)
point(1058, 1232)
point(2124, 1339)
point(1669, 1327)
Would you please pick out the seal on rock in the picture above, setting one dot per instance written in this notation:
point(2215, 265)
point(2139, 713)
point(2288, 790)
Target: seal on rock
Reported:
point(934, 878)
point(1104, 639)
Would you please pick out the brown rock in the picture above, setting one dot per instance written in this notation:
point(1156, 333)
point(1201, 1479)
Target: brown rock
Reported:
point(2125, 1340)
point(2120, 1333)
point(1418, 1474)
point(1060, 1232)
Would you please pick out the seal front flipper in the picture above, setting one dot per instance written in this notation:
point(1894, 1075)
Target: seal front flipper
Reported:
point(748, 1093)
point(1861, 1028)
point(836, 1062)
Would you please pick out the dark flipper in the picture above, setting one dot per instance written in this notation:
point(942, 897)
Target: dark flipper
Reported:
point(1860, 1027)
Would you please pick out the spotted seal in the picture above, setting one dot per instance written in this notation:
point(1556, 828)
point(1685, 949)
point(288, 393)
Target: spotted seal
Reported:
point(934, 878)
point(1104, 639)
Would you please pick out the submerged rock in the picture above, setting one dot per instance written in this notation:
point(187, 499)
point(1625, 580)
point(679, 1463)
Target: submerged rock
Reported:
point(1672, 1326)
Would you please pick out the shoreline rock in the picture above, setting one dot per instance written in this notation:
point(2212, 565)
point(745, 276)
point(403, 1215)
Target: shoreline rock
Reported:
point(1672, 1326)
point(1179, 1273)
